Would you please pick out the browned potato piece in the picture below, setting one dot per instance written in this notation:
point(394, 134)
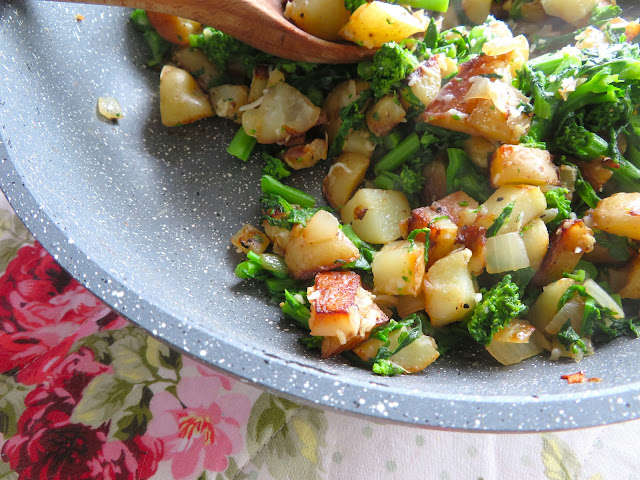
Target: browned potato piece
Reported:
point(398, 269)
point(174, 29)
point(384, 115)
point(318, 246)
point(425, 81)
point(494, 112)
point(344, 177)
point(320, 18)
point(306, 156)
point(250, 238)
point(443, 231)
point(196, 62)
point(536, 240)
point(282, 113)
point(479, 150)
point(448, 289)
point(515, 164)
point(181, 99)
point(458, 206)
point(619, 214)
point(259, 82)
point(227, 100)
point(597, 172)
point(474, 238)
point(279, 237)
point(569, 243)
point(342, 310)
point(529, 203)
point(631, 288)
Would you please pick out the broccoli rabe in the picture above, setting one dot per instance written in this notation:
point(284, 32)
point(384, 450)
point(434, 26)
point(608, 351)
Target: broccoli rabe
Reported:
point(353, 5)
point(412, 325)
point(557, 198)
point(391, 64)
point(352, 117)
point(281, 213)
point(274, 166)
point(573, 139)
point(220, 47)
point(497, 308)
point(158, 46)
point(570, 339)
point(463, 175)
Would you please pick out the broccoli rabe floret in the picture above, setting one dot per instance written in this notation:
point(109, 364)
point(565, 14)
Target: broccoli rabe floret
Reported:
point(158, 46)
point(391, 64)
point(353, 5)
point(574, 139)
point(220, 47)
point(497, 308)
point(556, 198)
point(274, 166)
point(280, 213)
point(608, 116)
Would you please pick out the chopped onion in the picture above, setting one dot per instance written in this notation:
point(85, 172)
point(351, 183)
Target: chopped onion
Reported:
point(549, 215)
point(109, 108)
point(603, 298)
point(512, 353)
point(518, 331)
point(505, 253)
point(572, 310)
point(495, 91)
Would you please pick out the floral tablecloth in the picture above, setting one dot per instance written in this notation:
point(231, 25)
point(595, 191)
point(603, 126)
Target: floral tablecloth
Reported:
point(84, 394)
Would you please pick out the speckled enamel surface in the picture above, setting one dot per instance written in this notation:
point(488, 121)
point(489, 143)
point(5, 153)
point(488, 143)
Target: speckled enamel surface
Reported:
point(142, 216)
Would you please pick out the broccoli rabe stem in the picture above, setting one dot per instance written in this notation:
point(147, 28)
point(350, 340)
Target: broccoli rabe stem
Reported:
point(436, 5)
point(241, 145)
point(268, 184)
point(627, 175)
point(405, 150)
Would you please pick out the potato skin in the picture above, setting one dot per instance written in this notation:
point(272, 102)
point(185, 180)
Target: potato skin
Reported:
point(619, 214)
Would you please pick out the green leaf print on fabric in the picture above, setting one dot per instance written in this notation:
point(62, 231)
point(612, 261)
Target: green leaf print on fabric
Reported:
point(560, 461)
point(12, 397)
point(160, 355)
point(13, 234)
point(101, 400)
point(136, 417)
point(285, 438)
point(128, 359)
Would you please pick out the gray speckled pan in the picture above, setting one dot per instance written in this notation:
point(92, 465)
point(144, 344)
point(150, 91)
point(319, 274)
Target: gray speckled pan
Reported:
point(142, 216)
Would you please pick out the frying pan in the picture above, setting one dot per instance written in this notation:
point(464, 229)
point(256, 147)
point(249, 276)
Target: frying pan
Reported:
point(142, 216)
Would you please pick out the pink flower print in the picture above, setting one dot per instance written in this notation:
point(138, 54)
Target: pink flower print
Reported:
point(204, 430)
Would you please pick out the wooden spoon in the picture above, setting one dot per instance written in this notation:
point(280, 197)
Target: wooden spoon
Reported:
point(259, 23)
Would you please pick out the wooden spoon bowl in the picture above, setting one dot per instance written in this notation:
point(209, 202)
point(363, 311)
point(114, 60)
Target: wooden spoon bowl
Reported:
point(259, 23)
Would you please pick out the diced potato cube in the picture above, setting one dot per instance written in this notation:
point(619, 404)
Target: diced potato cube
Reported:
point(320, 18)
point(474, 238)
point(529, 203)
point(425, 81)
point(345, 175)
point(515, 164)
point(546, 305)
point(384, 115)
point(572, 11)
point(283, 112)
point(458, 206)
point(341, 310)
point(196, 62)
point(259, 82)
point(478, 106)
point(416, 356)
point(398, 269)
point(227, 100)
point(569, 243)
point(359, 141)
point(619, 214)
point(375, 23)
point(408, 304)
point(250, 238)
point(375, 215)
point(181, 99)
point(173, 29)
point(448, 289)
point(477, 10)
point(597, 172)
point(306, 155)
point(412, 358)
point(318, 246)
point(443, 231)
point(536, 240)
point(479, 150)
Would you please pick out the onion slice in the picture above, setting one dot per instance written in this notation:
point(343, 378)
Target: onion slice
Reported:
point(506, 253)
point(603, 298)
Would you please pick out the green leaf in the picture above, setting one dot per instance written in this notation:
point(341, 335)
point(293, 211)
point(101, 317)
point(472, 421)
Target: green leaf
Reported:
point(128, 359)
point(158, 355)
point(137, 419)
point(268, 415)
point(560, 462)
point(101, 400)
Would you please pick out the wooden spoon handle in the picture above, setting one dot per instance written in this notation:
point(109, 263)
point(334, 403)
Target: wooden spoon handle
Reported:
point(259, 23)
